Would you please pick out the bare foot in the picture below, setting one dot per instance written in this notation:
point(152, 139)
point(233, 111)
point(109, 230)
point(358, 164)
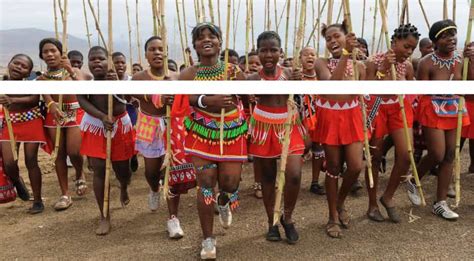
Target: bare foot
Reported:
point(103, 228)
point(388, 203)
point(124, 199)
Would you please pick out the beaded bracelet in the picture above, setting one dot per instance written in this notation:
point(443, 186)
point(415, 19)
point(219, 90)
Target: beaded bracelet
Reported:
point(380, 75)
point(345, 52)
point(200, 105)
point(49, 104)
point(156, 100)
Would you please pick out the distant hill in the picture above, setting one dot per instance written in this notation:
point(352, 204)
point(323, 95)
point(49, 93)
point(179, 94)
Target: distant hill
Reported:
point(26, 41)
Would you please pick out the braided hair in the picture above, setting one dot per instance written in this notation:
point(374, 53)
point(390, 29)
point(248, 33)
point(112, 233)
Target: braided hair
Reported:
point(404, 31)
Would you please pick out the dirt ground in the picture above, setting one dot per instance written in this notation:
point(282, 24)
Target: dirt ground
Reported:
point(139, 234)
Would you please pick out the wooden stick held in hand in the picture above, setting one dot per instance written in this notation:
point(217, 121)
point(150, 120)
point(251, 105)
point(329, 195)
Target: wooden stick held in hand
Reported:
point(454, 11)
point(183, 45)
point(166, 187)
point(139, 46)
point(445, 9)
point(424, 14)
point(60, 97)
point(299, 36)
point(457, 153)
point(317, 24)
point(468, 40)
point(164, 38)
point(329, 21)
point(56, 31)
point(363, 19)
point(10, 132)
point(457, 168)
point(87, 24)
point(108, 160)
point(375, 27)
point(226, 74)
point(211, 12)
point(287, 28)
point(97, 26)
point(155, 17)
point(383, 13)
point(129, 36)
point(280, 179)
point(247, 36)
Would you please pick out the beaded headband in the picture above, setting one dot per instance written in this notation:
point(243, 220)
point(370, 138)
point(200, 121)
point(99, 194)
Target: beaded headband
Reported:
point(444, 30)
point(214, 29)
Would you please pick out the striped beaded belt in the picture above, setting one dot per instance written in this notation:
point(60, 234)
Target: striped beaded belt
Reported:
point(19, 117)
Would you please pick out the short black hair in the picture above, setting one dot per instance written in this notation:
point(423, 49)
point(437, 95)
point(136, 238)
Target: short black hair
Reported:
point(137, 64)
point(75, 53)
point(98, 48)
point(342, 27)
point(171, 61)
point(243, 58)
point(23, 55)
point(440, 26)
point(362, 41)
point(232, 53)
point(268, 35)
point(199, 28)
point(424, 42)
point(150, 40)
point(117, 54)
point(52, 41)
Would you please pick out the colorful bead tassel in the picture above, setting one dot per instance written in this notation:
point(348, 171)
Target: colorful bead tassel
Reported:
point(208, 195)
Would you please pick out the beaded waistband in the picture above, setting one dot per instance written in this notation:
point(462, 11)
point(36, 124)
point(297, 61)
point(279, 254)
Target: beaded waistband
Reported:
point(32, 114)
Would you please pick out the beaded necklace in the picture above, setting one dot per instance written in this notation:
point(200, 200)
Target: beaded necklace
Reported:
point(56, 75)
point(449, 63)
point(156, 78)
point(401, 68)
point(210, 73)
point(278, 75)
point(333, 62)
point(311, 77)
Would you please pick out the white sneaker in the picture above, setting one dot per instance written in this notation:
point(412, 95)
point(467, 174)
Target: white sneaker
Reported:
point(441, 209)
point(413, 193)
point(153, 200)
point(68, 162)
point(225, 215)
point(451, 191)
point(208, 250)
point(174, 228)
